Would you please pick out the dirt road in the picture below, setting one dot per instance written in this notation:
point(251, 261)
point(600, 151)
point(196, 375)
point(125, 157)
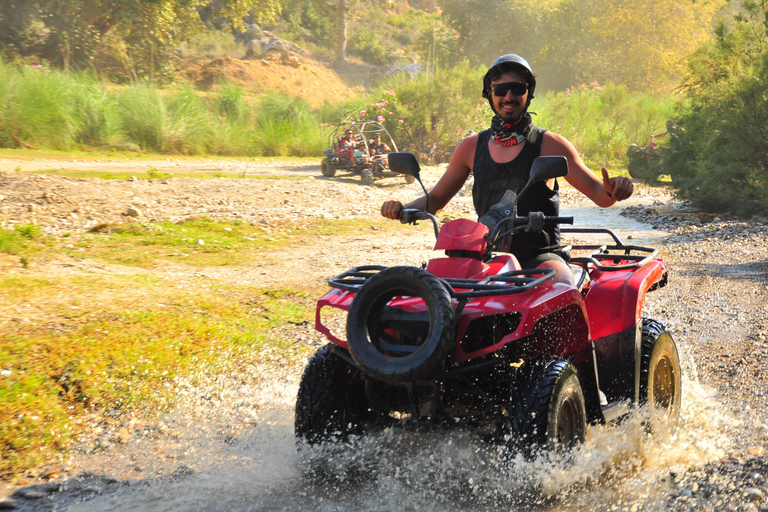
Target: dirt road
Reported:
point(715, 305)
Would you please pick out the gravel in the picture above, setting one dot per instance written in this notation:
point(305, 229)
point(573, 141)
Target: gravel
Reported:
point(715, 304)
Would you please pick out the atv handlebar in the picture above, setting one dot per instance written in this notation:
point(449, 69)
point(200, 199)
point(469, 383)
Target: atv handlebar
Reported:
point(411, 215)
point(535, 221)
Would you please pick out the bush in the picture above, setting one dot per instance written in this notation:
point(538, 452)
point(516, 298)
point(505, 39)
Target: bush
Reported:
point(430, 111)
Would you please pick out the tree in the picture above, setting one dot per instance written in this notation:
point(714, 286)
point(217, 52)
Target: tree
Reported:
point(722, 164)
point(639, 43)
point(141, 34)
point(341, 10)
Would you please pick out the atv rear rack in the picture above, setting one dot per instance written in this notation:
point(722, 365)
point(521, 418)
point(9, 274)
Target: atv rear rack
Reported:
point(601, 254)
point(515, 281)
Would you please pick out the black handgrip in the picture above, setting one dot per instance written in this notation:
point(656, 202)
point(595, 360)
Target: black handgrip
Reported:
point(558, 220)
point(410, 215)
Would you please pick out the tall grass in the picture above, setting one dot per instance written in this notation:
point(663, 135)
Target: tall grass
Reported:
point(287, 126)
point(38, 108)
point(47, 109)
point(602, 122)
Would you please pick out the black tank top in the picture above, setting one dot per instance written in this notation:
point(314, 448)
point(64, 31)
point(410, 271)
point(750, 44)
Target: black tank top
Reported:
point(492, 179)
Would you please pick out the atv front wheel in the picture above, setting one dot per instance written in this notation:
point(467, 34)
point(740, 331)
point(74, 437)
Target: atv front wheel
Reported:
point(660, 373)
point(547, 408)
point(331, 402)
point(329, 171)
point(394, 345)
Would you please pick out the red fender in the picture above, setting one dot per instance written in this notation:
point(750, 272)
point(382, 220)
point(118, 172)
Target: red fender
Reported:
point(615, 298)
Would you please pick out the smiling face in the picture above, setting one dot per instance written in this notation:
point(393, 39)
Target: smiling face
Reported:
point(509, 107)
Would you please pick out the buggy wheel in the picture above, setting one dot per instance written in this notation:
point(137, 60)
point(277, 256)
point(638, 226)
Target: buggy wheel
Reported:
point(394, 345)
point(660, 374)
point(637, 169)
point(548, 409)
point(331, 402)
point(366, 177)
point(409, 179)
point(329, 171)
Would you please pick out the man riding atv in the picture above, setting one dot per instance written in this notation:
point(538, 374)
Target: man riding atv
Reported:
point(500, 159)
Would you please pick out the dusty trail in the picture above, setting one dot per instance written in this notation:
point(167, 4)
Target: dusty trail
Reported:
point(235, 451)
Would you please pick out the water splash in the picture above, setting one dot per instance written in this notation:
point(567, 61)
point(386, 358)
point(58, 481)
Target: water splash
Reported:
point(238, 452)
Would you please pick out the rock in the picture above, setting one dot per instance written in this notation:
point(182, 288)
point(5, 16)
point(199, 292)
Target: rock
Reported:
point(291, 59)
point(132, 211)
point(33, 495)
point(705, 218)
point(754, 494)
point(8, 505)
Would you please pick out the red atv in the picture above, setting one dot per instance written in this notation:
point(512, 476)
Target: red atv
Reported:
point(474, 341)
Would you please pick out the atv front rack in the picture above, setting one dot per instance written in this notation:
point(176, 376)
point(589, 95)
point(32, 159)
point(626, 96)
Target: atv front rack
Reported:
point(620, 255)
point(515, 281)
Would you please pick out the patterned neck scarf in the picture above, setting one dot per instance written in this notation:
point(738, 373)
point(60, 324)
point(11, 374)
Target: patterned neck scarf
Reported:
point(511, 134)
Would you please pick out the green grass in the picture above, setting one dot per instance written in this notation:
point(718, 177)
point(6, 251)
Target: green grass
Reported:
point(116, 341)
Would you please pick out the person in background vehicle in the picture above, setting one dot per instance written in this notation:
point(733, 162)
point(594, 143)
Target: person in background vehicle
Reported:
point(673, 131)
point(347, 146)
point(501, 158)
point(377, 147)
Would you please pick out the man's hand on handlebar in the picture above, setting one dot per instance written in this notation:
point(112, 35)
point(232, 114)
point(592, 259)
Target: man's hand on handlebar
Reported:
point(391, 209)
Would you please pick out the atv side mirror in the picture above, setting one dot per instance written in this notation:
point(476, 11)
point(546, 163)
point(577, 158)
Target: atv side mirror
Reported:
point(404, 163)
point(545, 168)
point(548, 167)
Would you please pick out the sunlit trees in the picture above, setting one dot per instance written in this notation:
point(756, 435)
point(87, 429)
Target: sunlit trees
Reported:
point(639, 43)
point(722, 164)
point(139, 35)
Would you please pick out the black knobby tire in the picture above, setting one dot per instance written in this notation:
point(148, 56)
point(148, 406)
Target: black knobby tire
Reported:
point(638, 169)
point(331, 402)
point(329, 171)
point(402, 349)
point(660, 373)
point(366, 177)
point(547, 409)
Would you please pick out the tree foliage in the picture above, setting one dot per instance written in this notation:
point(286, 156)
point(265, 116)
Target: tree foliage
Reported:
point(639, 43)
point(139, 35)
point(723, 161)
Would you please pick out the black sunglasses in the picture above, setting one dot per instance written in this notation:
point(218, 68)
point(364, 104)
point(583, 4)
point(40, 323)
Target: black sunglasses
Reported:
point(517, 88)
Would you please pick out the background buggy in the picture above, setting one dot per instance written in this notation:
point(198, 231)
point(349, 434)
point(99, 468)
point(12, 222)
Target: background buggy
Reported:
point(369, 168)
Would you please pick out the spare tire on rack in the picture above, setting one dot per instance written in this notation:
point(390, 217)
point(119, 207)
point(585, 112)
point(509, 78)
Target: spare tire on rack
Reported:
point(395, 345)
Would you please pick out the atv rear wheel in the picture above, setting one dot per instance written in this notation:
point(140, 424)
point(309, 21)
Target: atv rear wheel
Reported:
point(660, 373)
point(547, 408)
point(366, 177)
point(329, 171)
point(331, 402)
point(393, 345)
